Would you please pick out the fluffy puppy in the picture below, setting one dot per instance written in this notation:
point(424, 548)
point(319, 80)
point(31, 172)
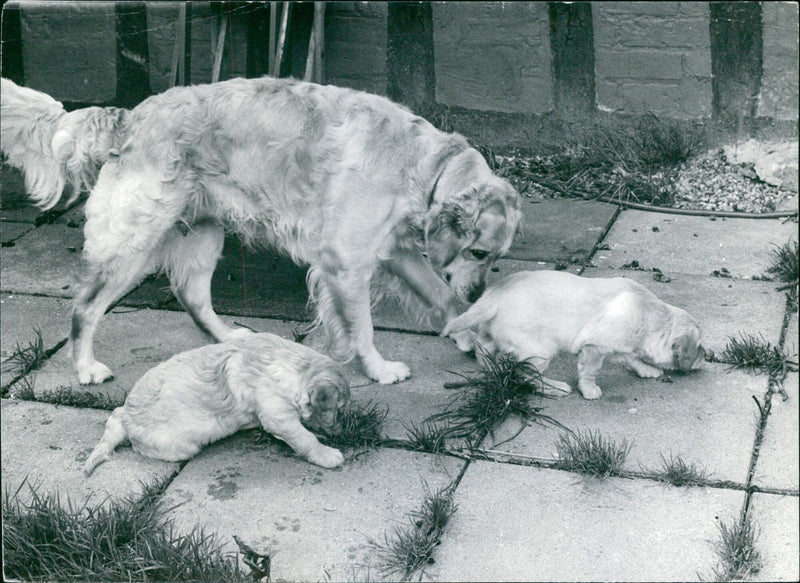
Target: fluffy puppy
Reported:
point(535, 315)
point(373, 199)
point(202, 395)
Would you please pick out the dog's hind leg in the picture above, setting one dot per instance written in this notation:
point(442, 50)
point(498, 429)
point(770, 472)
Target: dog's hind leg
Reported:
point(113, 436)
point(189, 261)
point(105, 285)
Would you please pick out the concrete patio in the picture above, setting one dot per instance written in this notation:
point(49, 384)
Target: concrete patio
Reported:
point(516, 518)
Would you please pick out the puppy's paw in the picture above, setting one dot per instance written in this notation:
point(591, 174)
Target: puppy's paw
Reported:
point(325, 456)
point(94, 373)
point(390, 372)
point(464, 341)
point(590, 391)
point(238, 333)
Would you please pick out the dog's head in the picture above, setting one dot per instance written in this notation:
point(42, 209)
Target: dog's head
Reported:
point(328, 394)
point(469, 229)
point(685, 347)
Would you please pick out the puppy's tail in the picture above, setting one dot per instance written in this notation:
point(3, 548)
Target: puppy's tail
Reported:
point(481, 311)
point(114, 435)
point(54, 148)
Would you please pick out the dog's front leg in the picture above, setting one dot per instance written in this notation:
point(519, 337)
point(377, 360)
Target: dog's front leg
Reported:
point(351, 293)
point(416, 271)
point(302, 441)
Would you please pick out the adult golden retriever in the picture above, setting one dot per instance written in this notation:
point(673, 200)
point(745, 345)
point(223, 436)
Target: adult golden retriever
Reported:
point(200, 396)
point(372, 198)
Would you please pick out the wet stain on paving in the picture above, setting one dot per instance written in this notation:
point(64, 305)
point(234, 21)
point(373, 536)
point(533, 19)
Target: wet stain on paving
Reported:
point(224, 487)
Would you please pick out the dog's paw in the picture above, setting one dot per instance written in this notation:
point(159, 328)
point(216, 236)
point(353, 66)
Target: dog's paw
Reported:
point(238, 333)
point(390, 372)
point(325, 456)
point(94, 374)
point(590, 391)
point(464, 340)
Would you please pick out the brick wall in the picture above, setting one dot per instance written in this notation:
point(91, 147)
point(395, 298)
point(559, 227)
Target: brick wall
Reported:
point(69, 50)
point(493, 56)
point(779, 84)
point(355, 45)
point(653, 57)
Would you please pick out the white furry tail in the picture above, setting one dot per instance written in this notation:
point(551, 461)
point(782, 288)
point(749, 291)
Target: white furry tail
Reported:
point(114, 435)
point(54, 148)
point(478, 313)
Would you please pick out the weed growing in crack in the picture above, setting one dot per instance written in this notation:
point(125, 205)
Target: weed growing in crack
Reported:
point(129, 539)
point(679, 473)
point(69, 397)
point(737, 552)
point(591, 453)
point(503, 388)
point(785, 268)
point(428, 437)
point(755, 353)
point(26, 358)
point(360, 427)
point(409, 547)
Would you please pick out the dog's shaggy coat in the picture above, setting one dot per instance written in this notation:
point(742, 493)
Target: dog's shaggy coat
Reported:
point(202, 395)
point(372, 198)
point(535, 315)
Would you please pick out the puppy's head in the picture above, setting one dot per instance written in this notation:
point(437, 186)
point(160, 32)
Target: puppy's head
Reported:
point(466, 233)
point(328, 392)
point(687, 352)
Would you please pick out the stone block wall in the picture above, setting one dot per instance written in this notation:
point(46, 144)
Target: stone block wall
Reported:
point(779, 84)
point(653, 57)
point(493, 56)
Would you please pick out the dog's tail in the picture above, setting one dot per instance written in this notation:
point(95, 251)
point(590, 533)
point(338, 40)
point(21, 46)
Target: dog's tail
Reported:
point(54, 148)
point(481, 311)
point(114, 435)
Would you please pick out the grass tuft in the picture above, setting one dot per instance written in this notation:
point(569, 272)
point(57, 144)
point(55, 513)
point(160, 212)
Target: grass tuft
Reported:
point(756, 353)
point(785, 264)
point(361, 427)
point(591, 453)
point(678, 473)
point(124, 540)
point(409, 547)
point(428, 437)
point(26, 358)
point(736, 548)
point(502, 389)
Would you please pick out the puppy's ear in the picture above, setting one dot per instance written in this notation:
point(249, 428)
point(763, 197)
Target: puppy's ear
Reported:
point(685, 350)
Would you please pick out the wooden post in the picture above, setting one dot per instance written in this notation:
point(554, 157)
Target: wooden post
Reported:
point(276, 69)
point(187, 44)
point(273, 26)
point(219, 49)
point(176, 75)
point(319, 42)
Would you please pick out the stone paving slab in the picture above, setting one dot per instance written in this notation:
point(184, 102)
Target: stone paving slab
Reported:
point(723, 307)
point(21, 316)
point(707, 417)
point(518, 523)
point(44, 261)
point(560, 230)
point(315, 522)
point(131, 342)
point(779, 540)
point(433, 361)
point(10, 231)
point(694, 245)
point(48, 444)
point(778, 465)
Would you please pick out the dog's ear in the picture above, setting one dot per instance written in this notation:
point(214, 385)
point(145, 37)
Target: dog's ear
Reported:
point(457, 214)
point(685, 350)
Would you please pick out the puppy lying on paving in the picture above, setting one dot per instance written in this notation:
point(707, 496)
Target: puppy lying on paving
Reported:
point(536, 315)
point(202, 395)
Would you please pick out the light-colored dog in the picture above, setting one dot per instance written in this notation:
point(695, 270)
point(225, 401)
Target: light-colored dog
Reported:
point(374, 199)
point(536, 315)
point(202, 395)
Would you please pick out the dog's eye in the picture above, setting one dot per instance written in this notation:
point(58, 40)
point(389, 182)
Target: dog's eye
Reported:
point(479, 254)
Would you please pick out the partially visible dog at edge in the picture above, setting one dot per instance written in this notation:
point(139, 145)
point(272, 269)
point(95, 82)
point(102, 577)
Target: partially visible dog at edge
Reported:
point(202, 395)
point(375, 200)
point(533, 316)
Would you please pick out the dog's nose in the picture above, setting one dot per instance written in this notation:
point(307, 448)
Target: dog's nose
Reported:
point(448, 277)
point(474, 294)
